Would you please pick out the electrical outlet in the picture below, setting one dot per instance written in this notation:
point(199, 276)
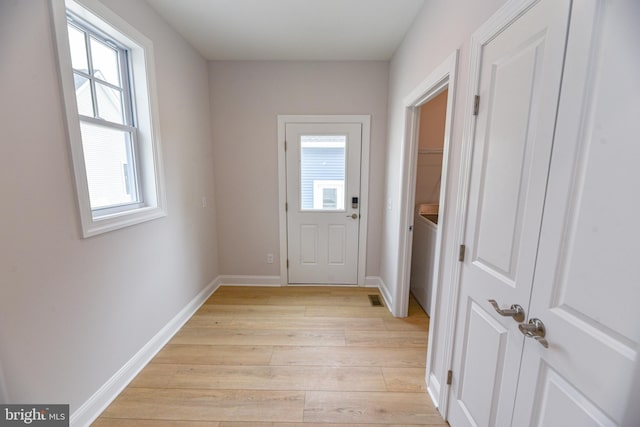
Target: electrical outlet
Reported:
point(269, 258)
point(204, 202)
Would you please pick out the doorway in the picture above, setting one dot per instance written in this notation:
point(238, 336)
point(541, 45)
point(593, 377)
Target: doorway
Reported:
point(442, 79)
point(323, 167)
point(431, 128)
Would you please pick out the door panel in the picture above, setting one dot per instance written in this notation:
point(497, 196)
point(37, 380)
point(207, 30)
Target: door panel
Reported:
point(337, 244)
point(558, 401)
point(519, 82)
point(504, 177)
point(309, 244)
point(323, 175)
point(586, 286)
point(485, 340)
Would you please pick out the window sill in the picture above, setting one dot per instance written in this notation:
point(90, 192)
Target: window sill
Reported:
point(106, 223)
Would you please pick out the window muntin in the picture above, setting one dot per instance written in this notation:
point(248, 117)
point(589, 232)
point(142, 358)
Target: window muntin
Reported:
point(105, 109)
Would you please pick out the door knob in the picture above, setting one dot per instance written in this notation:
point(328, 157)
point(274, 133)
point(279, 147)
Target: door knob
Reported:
point(516, 311)
point(535, 329)
point(353, 216)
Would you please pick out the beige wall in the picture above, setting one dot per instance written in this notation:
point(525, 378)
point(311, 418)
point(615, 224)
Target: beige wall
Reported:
point(73, 311)
point(430, 141)
point(432, 118)
point(246, 98)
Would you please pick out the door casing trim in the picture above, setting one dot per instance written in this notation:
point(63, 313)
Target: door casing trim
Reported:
point(442, 77)
point(365, 121)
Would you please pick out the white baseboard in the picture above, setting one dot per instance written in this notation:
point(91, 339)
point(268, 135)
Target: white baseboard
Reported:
point(377, 282)
point(433, 388)
point(97, 403)
point(250, 280)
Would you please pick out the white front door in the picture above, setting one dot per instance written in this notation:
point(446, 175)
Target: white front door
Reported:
point(323, 202)
point(520, 75)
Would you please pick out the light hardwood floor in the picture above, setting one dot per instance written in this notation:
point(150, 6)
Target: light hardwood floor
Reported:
point(290, 356)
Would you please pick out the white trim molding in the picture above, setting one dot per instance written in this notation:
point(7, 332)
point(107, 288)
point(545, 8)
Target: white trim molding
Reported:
point(365, 121)
point(441, 78)
point(96, 404)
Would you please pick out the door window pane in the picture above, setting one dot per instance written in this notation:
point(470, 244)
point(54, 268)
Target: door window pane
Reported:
point(329, 198)
point(322, 172)
point(109, 165)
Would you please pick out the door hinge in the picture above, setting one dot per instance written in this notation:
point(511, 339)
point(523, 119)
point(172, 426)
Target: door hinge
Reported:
point(285, 145)
point(287, 263)
point(449, 377)
point(476, 105)
point(461, 252)
point(411, 228)
point(286, 207)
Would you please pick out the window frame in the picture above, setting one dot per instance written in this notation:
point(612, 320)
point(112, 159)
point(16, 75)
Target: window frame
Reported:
point(128, 124)
point(141, 115)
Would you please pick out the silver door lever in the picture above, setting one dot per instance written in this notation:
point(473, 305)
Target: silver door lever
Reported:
point(516, 311)
point(535, 329)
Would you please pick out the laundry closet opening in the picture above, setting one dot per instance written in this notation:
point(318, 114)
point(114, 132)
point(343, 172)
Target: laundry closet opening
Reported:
point(426, 219)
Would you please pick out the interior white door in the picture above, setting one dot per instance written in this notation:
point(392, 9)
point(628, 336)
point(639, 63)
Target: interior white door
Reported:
point(519, 83)
point(323, 202)
point(586, 289)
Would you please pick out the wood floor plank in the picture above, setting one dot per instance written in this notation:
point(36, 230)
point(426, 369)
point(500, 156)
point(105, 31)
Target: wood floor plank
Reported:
point(155, 375)
point(317, 291)
point(381, 339)
point(203, 405)
point(284, 300)
point(406, 324)
point(405, 379)
point(369, 407)
point(303, 323)
point(209, 336)
point(241, 424)
point(247, 310)
point(261, 377)
point(285, 357)
point(214, 355)
point(349, 356)
point(118, 422)
point(344, 311)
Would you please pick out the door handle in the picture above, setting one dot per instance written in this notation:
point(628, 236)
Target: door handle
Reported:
point(353, 216)
point(535, 329)
point(516, 311)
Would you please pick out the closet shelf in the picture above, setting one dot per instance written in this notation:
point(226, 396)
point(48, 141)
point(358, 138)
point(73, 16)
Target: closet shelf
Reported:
point(429, 151)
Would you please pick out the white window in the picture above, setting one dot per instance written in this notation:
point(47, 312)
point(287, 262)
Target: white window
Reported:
point(328, 195)
point(106, 71)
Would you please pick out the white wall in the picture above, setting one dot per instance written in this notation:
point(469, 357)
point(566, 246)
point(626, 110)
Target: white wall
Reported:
point(246, 98)
point(440, 28)
point(73, 310)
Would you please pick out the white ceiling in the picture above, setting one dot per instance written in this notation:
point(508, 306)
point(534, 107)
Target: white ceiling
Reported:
point(291, 29)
